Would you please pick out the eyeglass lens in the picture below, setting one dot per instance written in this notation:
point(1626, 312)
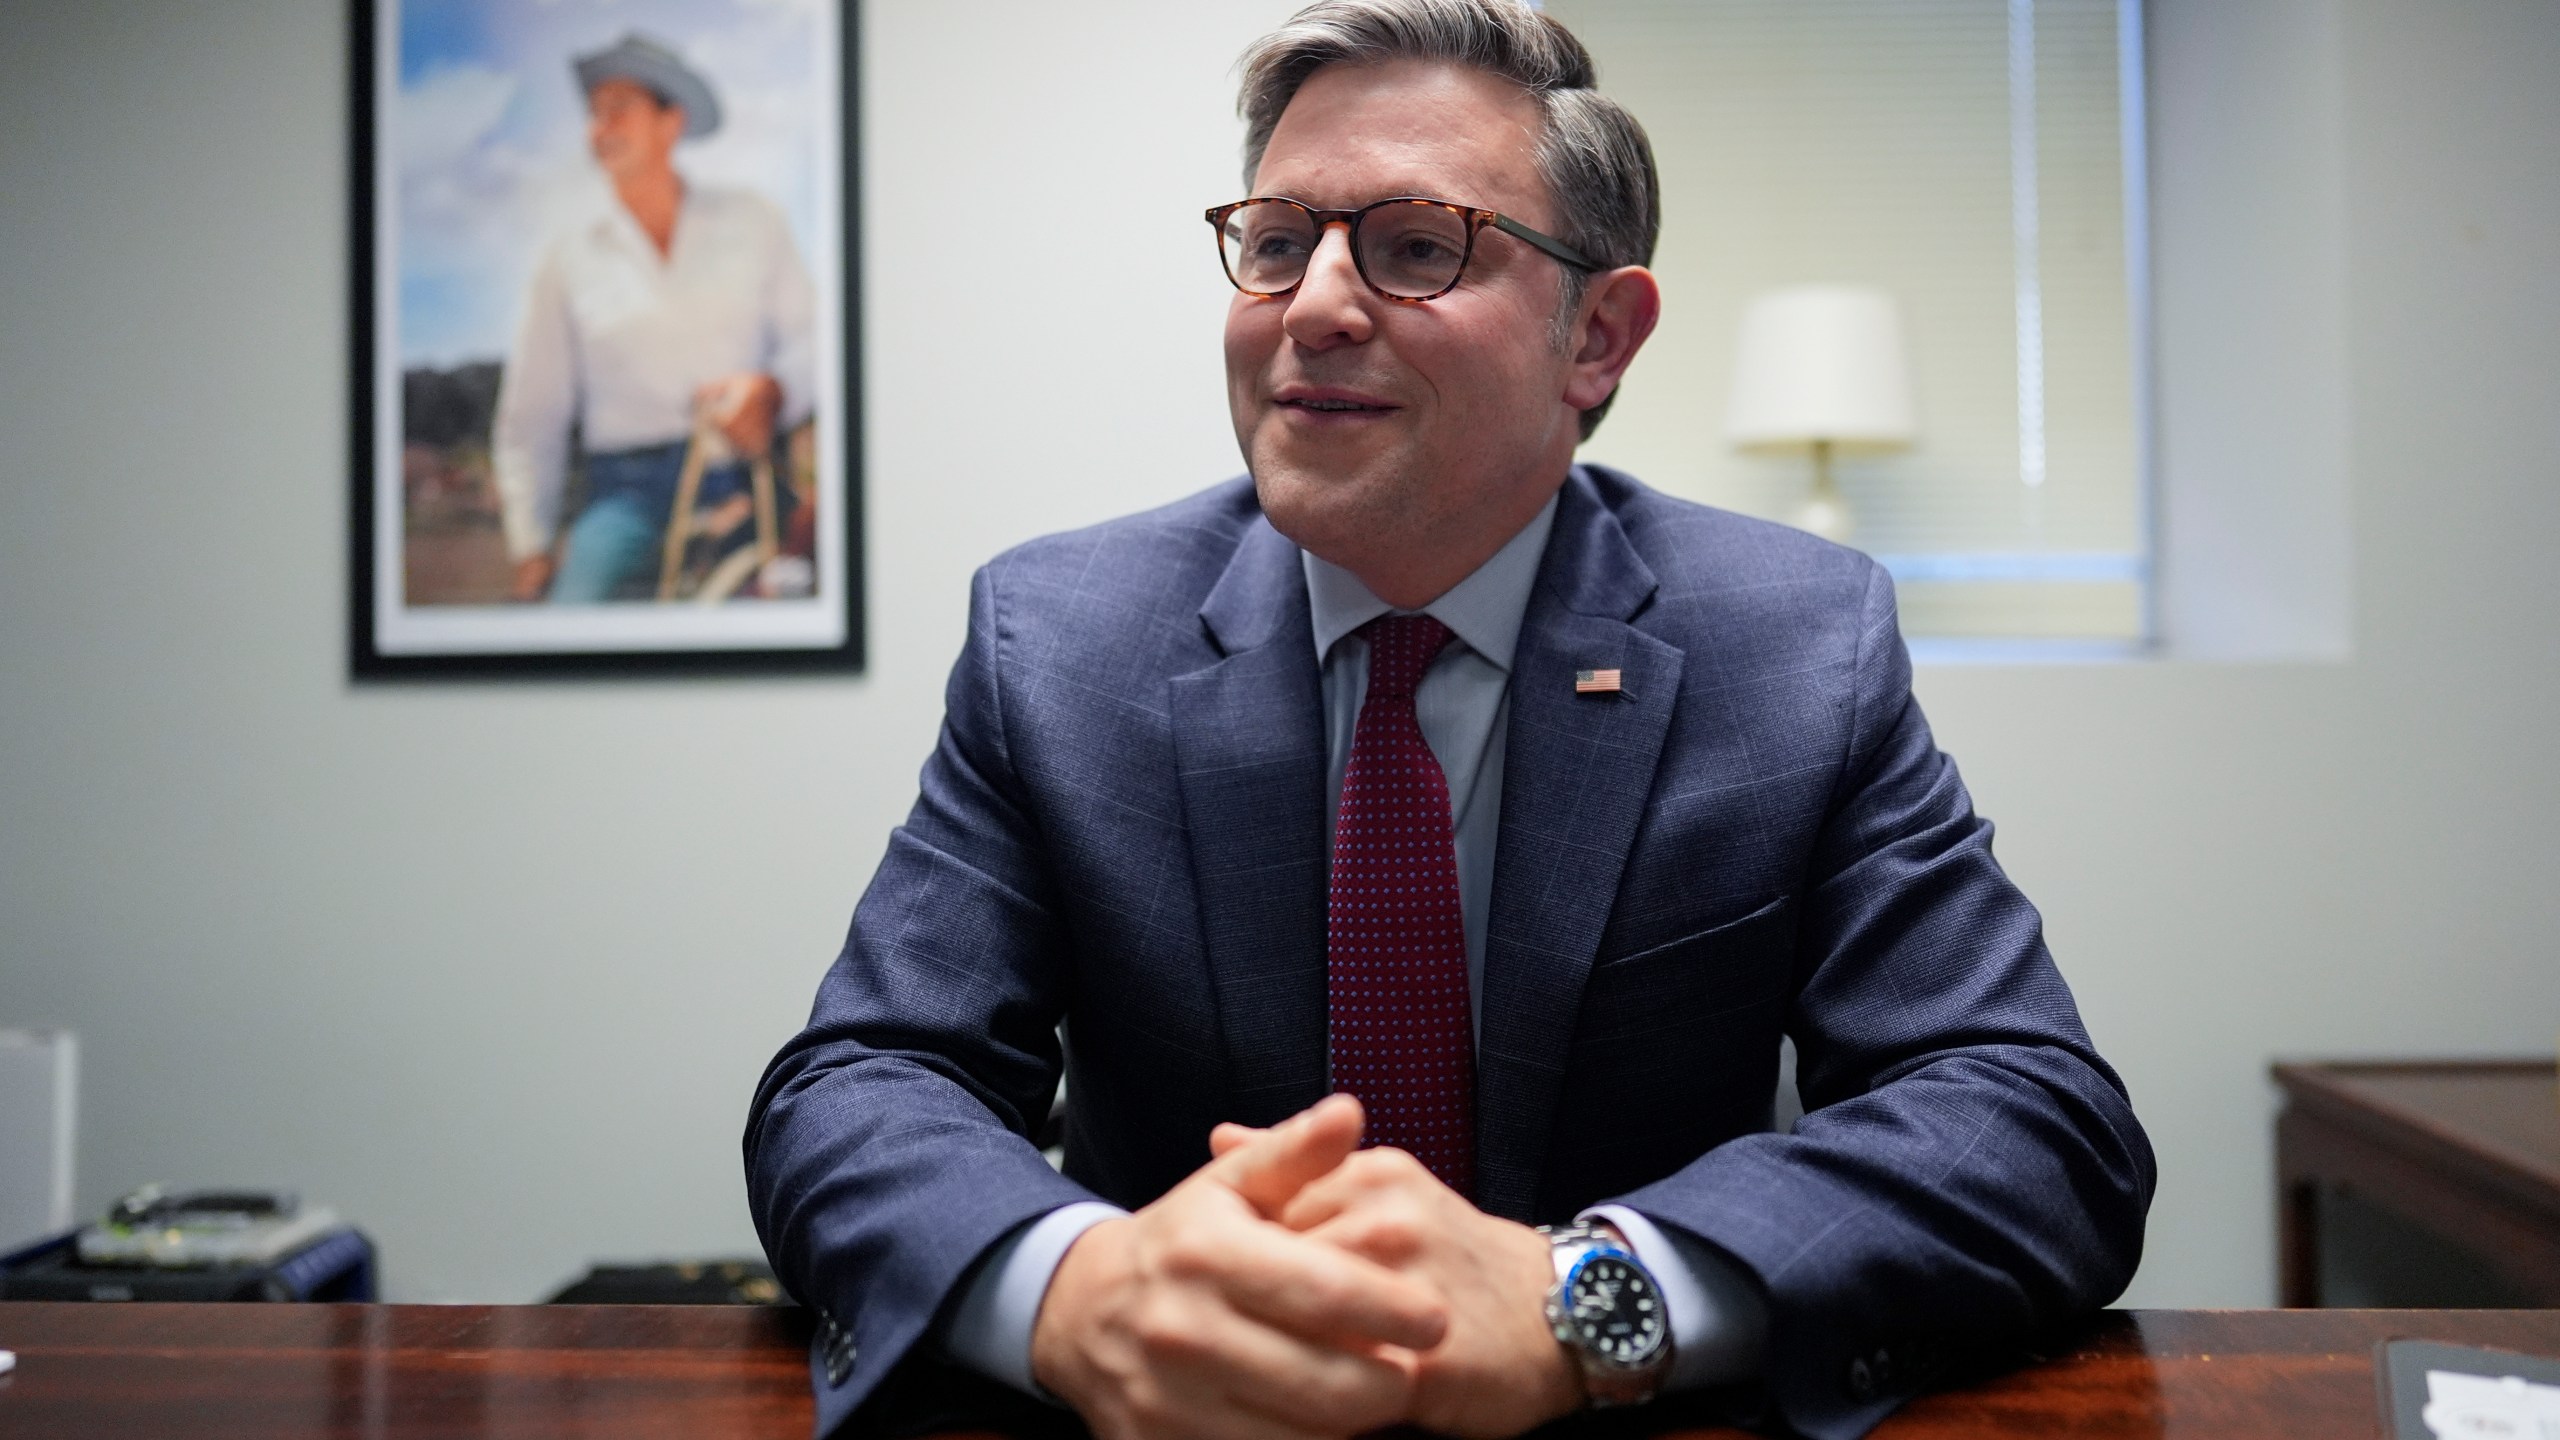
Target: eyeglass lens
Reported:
point(1407, 248)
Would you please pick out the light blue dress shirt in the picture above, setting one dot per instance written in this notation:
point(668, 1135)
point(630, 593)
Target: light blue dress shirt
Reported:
point(1718, 1321)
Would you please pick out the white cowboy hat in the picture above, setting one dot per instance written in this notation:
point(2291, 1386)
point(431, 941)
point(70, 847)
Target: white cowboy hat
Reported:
point(656, 67)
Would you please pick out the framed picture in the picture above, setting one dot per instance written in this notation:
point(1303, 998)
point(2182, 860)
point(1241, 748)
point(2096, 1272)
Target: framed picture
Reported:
point(606, 388)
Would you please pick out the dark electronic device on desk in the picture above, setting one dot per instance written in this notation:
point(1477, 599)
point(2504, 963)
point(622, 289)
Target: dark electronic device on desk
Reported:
point(676, 1282)
point(203, 1229)
point(2456, 1392)
point(205, 1245)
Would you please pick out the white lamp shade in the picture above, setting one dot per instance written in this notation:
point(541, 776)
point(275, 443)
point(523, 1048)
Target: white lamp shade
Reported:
point(1821, 362)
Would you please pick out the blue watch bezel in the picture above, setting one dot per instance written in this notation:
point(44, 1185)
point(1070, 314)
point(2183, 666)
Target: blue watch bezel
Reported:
point(1601, 1249)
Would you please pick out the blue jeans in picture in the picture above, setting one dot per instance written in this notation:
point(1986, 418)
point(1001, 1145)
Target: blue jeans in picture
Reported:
point(614, 547)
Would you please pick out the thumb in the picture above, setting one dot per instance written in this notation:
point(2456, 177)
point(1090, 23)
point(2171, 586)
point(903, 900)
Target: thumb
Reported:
point(1269, 1167)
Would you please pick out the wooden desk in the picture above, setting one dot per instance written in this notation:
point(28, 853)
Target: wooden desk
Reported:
point(406, 1372)
point(2467, 1149)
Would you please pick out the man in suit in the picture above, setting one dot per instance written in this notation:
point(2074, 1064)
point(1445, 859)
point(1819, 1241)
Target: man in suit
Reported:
point(1523, 804)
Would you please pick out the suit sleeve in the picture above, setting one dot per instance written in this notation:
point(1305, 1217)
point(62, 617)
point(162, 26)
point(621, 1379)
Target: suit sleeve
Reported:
point(1968, 1169)
point(889, 1145)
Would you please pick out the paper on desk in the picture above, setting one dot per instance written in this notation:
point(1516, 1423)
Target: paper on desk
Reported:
point(2483, 1407)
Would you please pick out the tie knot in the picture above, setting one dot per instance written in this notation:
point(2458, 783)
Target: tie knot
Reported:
point(1401, 647)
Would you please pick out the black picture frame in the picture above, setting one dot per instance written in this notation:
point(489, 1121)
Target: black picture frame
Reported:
point(372, 563)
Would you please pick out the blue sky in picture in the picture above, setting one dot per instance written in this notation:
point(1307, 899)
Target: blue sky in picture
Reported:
point(487, 140)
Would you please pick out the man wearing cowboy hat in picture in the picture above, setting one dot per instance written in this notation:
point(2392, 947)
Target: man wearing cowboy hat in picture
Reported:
point(670, 299)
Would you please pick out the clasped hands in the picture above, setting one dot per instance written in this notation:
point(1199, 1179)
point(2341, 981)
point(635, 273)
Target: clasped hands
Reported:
point(1298, 1287)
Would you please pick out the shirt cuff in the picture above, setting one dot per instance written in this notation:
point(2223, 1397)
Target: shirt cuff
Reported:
point(990, 1330)
point(1719, 1323)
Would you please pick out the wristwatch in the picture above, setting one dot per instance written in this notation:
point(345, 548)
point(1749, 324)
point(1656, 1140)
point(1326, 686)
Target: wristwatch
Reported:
point(1608, 1313)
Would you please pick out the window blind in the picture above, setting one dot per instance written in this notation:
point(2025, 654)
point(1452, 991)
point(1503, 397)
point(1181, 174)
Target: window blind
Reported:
point(1971, 157)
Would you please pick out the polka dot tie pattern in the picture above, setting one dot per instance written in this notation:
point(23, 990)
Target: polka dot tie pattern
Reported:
point(1397, 967)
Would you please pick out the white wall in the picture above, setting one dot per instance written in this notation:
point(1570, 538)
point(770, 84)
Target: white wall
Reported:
point(2239, 862)
point(2249, 163)
point(493, 967)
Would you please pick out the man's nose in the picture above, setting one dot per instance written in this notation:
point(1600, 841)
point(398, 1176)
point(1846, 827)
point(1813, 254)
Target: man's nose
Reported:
point(1331, 304)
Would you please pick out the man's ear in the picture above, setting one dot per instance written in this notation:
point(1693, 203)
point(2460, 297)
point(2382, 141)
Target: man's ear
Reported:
point(1619, 309)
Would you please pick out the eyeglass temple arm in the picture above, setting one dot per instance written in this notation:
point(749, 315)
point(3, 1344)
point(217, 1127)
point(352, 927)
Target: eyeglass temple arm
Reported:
point(1548, 243)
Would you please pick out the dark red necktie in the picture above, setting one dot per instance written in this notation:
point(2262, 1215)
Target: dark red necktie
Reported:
point(1397, 938)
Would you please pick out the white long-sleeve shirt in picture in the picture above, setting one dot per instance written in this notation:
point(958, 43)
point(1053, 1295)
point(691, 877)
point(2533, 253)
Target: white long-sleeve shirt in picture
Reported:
point(618, 338)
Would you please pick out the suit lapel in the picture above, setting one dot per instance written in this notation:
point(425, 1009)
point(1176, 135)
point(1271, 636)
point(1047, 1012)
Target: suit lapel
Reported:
point(1577, 772)
point(1249, 746)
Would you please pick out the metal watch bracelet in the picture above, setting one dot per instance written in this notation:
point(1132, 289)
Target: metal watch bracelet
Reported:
point(1609, 1379)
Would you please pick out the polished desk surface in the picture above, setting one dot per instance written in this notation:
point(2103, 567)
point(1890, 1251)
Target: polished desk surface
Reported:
point(396, 1372)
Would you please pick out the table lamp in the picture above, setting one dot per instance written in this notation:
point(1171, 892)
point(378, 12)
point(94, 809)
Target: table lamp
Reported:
point(1819, 367)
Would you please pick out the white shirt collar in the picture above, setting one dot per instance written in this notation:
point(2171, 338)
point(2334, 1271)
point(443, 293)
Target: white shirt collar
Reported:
point(1483, 610)
point(610, 222)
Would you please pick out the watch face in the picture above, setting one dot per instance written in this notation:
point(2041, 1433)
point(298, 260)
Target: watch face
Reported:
point(1615, 1312)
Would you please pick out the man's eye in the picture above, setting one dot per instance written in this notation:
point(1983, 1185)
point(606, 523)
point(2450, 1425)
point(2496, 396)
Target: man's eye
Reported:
point(1274, 247)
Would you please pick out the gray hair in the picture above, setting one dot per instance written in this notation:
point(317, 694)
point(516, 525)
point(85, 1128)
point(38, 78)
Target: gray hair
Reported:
point(1592, 156)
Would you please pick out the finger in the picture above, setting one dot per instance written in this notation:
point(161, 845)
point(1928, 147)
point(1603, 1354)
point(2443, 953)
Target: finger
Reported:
point(1191, 1372)
point(1322, 1292)
point(1273, 1166)
point(1215, 1359)
point(1356, 1181)
point(1390, 1234)
point(1229, 1136)
point(1194, 1407)
point(1216, 1417)
point(1155, 1394)
point(1297, 1383)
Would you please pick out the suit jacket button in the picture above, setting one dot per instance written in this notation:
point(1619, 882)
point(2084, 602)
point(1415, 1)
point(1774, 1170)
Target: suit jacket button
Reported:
point(836, 1349)
point(1862, 1380)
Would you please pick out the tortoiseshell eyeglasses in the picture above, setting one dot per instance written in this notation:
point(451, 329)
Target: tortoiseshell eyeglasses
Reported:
point(1409, 248)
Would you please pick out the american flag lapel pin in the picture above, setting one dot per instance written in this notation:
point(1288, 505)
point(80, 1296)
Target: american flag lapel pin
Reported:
point(1595, 682)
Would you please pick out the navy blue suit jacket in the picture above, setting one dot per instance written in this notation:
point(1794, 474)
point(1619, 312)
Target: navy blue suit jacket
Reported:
point(1123, 826)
